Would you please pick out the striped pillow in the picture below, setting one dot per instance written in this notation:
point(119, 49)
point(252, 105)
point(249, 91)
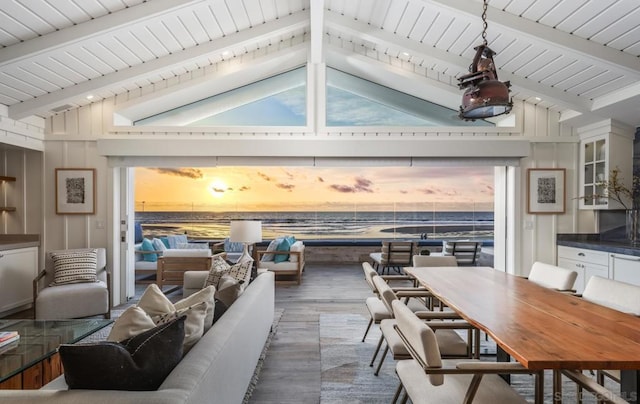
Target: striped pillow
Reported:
point(74, 267)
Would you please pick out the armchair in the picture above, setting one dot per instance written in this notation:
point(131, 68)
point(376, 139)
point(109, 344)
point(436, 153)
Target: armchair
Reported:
point(73, 300)
point(293, 265)
point(394, 254)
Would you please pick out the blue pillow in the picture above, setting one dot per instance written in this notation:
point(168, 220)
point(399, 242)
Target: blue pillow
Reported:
point(292, 239)
point(165, 241)
point(137, 233)
point(147, 245)
point(284, 245)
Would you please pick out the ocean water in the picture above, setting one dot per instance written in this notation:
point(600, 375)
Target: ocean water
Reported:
point(324, 225)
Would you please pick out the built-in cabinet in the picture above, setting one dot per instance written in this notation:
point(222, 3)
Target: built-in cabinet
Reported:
point(603, 148)
point(585, 262)
point(3, 179)
point(18, 268)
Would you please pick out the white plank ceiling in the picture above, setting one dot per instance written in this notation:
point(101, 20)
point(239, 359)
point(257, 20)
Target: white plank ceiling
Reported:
point(577, 57)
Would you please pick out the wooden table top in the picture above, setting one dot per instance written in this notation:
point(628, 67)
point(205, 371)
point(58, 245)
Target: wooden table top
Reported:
point(539, 327)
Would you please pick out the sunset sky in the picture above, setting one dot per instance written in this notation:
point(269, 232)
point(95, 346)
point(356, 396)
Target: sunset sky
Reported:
point(313, 188)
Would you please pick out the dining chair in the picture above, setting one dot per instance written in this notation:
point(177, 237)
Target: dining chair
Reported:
point(434, 261)
point(552, 277)
point(451, 344)
point(466, 252)
point(394, 255)
point(415, 297)
point(427, 378)
point(616, 295)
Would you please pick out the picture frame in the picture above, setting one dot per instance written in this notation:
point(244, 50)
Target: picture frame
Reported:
point(75, 191)
point(546, 190)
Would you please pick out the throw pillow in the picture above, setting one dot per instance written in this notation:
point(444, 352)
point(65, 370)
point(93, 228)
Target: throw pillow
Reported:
point(273, 245)
point(74, 266)
point(132, 321)
point(147, 245)
point(219, 310)
point(158, 245)
point(297, 246)
point(157, 306)
point(139, 363)
point(203, 295)
point(165, 241)
point(241, 272)
point(229, 289)
point(218, 268)
point(285, 245)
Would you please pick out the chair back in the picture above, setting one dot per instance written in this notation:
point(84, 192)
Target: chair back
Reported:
point(434, 261)
point(616, 295)
point(101, 268)
point(369, 274)
point(387, 295)
point(466, 252)
point(552, 277)
point(398, 252)
point(419, 339)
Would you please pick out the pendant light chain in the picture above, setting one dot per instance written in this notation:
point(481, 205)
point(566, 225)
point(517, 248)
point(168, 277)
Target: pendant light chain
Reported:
point(484, 22)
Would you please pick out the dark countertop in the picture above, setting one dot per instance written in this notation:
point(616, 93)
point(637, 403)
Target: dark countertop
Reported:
point(594, 242)
point(13, 241)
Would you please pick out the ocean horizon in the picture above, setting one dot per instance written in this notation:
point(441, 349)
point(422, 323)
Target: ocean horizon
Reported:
point(324, 225)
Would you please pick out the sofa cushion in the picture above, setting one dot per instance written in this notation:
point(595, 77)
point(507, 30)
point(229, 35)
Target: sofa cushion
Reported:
point(229, 289)
point(147, 245)
point(138, 363)
point(74, 267)
point(284, 245)
point(198, 308)
point(177, 239)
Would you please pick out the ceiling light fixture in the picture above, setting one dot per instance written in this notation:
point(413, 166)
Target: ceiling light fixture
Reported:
point(485, 96)
point(90, 97)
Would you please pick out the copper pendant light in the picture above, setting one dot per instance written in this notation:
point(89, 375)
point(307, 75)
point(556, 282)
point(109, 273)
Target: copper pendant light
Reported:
point(485, 96)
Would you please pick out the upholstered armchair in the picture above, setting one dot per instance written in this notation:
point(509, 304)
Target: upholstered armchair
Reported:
point(291, 264)
point(72, 300)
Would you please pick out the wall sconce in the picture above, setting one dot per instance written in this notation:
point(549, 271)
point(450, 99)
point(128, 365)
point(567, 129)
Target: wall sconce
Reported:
point(485, 96)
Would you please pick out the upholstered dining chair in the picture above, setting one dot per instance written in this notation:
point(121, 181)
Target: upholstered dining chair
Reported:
point(415, 297)
point(466, 252)
point(552, 277)
point(434, 261)
point(616, 295)
point(451, 344)
point(73, 300)
point(427, 378)
point(394, 255)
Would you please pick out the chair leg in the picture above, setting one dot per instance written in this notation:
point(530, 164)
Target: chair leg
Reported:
point(397, 395)
point(384, 355)
point(375, 353)
point(367, 330)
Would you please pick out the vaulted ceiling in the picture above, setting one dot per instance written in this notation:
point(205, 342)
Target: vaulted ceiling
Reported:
point(580, 58)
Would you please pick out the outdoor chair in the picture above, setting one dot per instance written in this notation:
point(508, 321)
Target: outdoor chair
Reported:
point(553, 277)
point(174, 263)
point(395, 255)
point(466, 252)
point(423, 376)
point(616, 295)
point(451, 344)
point(81, 298)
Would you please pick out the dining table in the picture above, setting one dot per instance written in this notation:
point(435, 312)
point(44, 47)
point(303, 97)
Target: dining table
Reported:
point(541, 328)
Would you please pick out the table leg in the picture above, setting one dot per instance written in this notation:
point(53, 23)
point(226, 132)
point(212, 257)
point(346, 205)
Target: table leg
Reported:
point(557, 386)
point(502, 356)
point(629, 382)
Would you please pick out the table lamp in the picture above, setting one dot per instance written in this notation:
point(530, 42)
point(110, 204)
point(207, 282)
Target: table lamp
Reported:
point(246, 232)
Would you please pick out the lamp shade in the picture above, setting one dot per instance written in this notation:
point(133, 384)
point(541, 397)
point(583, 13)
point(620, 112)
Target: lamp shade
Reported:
point(245, 231)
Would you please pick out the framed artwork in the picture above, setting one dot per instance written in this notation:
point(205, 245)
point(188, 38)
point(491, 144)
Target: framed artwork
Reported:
point(546, 190)
point(75, 191)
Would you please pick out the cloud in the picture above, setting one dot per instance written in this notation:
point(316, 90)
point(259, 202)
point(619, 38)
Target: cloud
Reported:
point(218, 190)
point(264, 176)
point(180, 172)
point(288, 187)
point(361, 185)
point(244, 188)
point(428, 191)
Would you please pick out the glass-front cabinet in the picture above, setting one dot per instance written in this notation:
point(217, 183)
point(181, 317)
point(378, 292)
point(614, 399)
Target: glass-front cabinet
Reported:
point(603, 147)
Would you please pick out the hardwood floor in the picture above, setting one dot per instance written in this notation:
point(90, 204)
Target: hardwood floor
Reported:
point(291, 372)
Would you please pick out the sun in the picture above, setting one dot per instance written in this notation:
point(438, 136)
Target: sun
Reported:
point(217, 188)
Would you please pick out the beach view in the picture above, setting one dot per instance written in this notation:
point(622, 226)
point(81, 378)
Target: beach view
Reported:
point(318, 203)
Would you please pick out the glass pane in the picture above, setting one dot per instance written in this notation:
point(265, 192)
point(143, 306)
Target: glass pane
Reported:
point(601, 149)
point(588, 174)
point(588, 152)
point(588, 192)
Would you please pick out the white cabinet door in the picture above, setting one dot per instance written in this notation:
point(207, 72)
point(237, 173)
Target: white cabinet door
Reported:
point(625, 268)
point(18, 268)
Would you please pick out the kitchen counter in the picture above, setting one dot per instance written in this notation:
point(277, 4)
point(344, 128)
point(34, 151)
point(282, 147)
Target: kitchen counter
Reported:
point(13, 241)
point(593, 242)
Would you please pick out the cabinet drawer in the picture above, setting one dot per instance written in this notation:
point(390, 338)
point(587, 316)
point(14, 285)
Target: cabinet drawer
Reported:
point(582, 254)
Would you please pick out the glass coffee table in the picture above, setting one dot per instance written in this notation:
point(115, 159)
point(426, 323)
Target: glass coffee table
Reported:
point(33, 360)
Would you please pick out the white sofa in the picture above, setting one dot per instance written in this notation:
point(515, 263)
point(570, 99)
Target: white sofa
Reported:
point(217, 370)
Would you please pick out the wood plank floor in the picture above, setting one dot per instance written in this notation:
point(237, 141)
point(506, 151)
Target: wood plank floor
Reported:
point(291, 372)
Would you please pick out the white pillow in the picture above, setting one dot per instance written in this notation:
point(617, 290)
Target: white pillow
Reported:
point(158, 245)
point(273, 246)
point(74, 267)
point(193, 246)
point(132, 321)
point(297, 246)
